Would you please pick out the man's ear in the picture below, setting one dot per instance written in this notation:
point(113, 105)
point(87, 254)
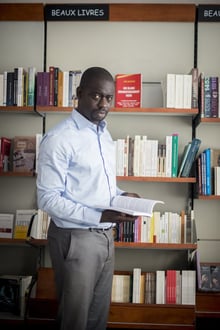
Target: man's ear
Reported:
point(78, 92)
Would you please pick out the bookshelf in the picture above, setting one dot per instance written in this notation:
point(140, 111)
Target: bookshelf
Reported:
point(132, 17)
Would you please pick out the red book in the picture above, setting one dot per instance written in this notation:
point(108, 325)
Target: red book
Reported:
point(171, 286)
point(128, 89)
point(5, 148)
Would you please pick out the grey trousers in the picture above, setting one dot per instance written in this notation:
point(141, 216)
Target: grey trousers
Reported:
point(83, 262)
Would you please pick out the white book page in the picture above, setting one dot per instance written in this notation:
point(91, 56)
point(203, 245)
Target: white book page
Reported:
point(133, 206)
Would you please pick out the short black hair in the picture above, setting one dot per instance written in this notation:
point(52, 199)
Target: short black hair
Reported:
point(95, 73)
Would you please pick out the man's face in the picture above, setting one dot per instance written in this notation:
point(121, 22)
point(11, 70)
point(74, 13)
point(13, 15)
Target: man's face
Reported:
point(95, 100)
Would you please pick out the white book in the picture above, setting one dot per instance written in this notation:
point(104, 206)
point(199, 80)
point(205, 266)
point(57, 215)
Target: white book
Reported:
point(120, 146)
point(187, 91)
point(136, 160)
point(170, 90)
point(121, 288)
point(6, 225)
point(131, 205)
point(188, 287)
point(160, 287)
point(5, 88)
point(1, 89)
point(20, 89)
point(38, 141)
point(179, 92)
point(65, 88)
point(217, 180)
point(136, 290)
point(168, 160)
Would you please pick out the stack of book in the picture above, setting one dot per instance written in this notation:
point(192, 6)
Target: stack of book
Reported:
point(57, 87)
point(208, 172)
point(209, 96)
point(17, 87)
point(159, 287)
point(140, 156)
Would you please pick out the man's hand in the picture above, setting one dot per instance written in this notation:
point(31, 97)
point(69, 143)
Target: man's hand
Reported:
point(116, 217)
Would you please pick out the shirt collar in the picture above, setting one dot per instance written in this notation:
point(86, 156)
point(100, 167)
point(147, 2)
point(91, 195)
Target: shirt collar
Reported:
point(81, 122)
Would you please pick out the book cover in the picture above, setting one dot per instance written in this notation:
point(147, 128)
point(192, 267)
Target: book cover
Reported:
point(215, 277)
point(128, 90)
point(131, 205)
point(5, 151)
point(195, 145)
point(24, 152)
point(208, 171)
point(6, 225)
point(121, 287)
point(22, 222)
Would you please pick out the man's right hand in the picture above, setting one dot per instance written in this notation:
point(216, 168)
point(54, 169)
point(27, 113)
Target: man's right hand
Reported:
point(116, 217)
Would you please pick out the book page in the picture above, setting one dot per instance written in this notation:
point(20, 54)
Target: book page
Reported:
point(132, 205)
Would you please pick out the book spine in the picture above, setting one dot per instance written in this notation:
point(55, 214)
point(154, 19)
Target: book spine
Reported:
point(31, 86)
point(195, 87)
point(39, 89)
point(207, 97)
point(170, 90)
point(51, 88)
point(10, 89)
point(175, 148)
point(214, 96)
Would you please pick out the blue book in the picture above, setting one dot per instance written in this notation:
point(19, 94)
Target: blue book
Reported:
point(207, 153)
point(195, 144)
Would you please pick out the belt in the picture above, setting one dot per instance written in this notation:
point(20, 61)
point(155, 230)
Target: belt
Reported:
point(99, 229)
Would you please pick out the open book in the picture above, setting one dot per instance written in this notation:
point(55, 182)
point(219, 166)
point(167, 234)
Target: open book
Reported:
point(132, 205)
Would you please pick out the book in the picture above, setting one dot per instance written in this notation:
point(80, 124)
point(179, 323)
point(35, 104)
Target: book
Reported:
point(121, 288)
point(194, 148)
point(160, 287)
point(22, 222)
point(10, 89)
point(214, 82)
point(14, 290)
point(1, 89)
point(217, 180)
point(5, 152)
point(136, 287)
point(207, 97)
point(31, 86)
point(131, 205)
point(188, 289)
point(128, 90)
point(187, 91)
point(175, 150)
point(179, 88)
point(6, 225)
point(195, 87)
point(24, 152)
point(170, 87)
point(38, 225)
point(184, 157)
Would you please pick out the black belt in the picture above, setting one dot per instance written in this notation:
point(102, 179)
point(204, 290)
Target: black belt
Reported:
point(99, 229)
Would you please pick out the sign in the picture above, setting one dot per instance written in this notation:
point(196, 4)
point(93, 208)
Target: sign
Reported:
point(78, 12)
point(209, 13)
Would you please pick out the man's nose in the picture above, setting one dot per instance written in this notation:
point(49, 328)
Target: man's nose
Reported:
point(103, 102)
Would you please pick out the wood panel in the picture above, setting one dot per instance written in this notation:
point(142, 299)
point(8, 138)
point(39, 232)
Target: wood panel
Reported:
point(208, 303)
point(153, 12)
point(21, 12)
point(147, 315)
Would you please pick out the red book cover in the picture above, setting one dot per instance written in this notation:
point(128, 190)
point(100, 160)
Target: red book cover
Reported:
point(5, 148)
point(128, 89)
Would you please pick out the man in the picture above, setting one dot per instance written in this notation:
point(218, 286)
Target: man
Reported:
point(76, 173)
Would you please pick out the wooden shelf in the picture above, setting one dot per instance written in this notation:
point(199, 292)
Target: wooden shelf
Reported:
point(208, 304)
point(156, 246)
point(142, 316)
point(21, 12)
point(13, 109)
point(17, 174)
point(198, 120)
point(161, 111)
point(156, 179)
point(208, 197)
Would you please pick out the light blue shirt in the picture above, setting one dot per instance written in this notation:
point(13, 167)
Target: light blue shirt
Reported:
point(76, 172)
